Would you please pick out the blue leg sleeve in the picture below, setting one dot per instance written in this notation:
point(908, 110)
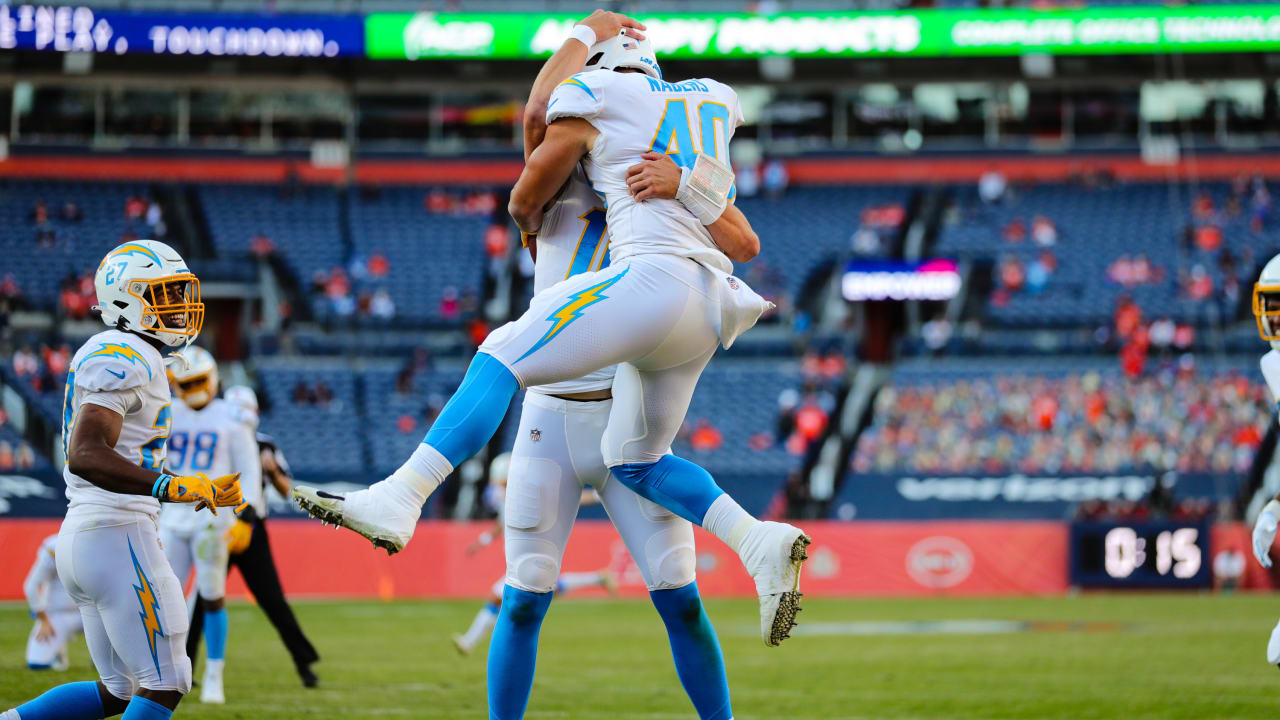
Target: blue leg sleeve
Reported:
point(513, 651)
point(141, 708)
point(215, 633)
point(674, 483)
point(696, 650)
point(73, 701)
point(475, 411)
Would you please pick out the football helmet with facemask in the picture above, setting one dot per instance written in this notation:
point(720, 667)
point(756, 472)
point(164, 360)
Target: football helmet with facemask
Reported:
point(144, 287)
point(195, 380)
point(1266, 302)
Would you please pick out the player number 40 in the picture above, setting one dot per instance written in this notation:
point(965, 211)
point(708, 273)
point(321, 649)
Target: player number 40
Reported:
point(674, 135)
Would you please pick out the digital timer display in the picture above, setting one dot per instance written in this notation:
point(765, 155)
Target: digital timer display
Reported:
point(1140, 554)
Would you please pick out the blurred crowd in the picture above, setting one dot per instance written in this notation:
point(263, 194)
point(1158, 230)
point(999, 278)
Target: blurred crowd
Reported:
point(1083, 422)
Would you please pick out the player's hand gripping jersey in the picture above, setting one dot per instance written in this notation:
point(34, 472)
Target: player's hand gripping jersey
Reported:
point(124, 373)
point(574, 239)
point(216, 440)
point(634, 114)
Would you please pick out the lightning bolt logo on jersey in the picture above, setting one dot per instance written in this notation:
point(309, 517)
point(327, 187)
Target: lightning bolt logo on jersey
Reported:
point(572, 310)
point(150, 608)
point(121, 351)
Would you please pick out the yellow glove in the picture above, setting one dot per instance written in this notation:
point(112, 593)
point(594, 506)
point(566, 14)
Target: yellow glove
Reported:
point(219, 492)
point(238, 537)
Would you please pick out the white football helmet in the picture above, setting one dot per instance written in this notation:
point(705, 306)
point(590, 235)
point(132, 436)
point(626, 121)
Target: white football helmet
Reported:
point(242, 396)
point(195, 380)
point(1266, 302)
point(624, 51)
point(144, 287)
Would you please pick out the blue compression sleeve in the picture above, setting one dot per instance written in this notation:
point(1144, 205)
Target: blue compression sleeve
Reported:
point(696, 650)
point(215, 632)
point(475, 411)
point(513, 651)
point(674, 483)
point(73, 701)
point(141, 708)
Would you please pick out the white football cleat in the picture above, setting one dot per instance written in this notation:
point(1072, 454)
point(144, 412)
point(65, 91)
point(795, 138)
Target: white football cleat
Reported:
point(773, 553)
point(211, 686)
point(1273, 646)
point(60, 661)
point(384, 513)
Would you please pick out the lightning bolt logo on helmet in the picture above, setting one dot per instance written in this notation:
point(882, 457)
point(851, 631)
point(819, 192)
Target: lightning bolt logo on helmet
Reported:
point(150, 613)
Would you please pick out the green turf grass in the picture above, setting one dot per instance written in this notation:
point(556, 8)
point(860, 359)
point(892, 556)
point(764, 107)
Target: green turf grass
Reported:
point(1153, 656)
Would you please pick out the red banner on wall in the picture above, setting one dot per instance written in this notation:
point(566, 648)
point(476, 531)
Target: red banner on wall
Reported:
point(859, 558)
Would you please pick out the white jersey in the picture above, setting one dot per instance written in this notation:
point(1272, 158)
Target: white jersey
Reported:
point(634, 114)
point(1271, 373)
point(218, 439)
point(573, 239)
point(42, 587)
point(125, 373)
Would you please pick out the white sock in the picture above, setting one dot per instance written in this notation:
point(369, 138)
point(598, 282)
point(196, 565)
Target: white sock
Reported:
point(213, 667)
point(572, 581)
point(423, 472)
point(480, 626)
point(728, 521)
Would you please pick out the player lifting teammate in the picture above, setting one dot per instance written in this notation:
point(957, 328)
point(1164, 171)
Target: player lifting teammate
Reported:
point(115, 424)
point(659, 311)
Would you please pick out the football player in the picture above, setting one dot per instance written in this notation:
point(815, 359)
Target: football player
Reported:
point(116, 419)
point(495, 497)
point(213, 436)
point(658, 312)
point(57, 617)
point(1266, 309)
point(250, 549)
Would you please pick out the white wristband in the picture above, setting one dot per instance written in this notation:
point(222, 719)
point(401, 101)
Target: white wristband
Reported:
point(583, 34)
point(1272, 507)
point(704, 188)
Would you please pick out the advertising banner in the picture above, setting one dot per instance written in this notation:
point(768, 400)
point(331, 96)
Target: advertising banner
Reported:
point(937, 279)
point(1049, 497)
point(67, 28)
point(864, 558)
point(921, 33)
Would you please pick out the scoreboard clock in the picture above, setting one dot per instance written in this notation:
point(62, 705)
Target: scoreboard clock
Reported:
point(1147, 554)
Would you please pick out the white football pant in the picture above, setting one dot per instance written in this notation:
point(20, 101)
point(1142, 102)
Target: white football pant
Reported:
point(658, 315)
point(205, 549)
point(135, 618)
point(556, 453)
point(43, 654)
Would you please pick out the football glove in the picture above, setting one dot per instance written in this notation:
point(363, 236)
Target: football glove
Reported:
point(199, 489)
point(238, 537)
point(1264, 532)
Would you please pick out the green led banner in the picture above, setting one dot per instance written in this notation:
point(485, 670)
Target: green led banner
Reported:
point(922, 33)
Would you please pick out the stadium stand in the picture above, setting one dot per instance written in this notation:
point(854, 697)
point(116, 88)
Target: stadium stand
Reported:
point(1070, 415)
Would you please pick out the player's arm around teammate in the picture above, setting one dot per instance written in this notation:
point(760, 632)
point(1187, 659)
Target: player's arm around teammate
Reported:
point(657, 176)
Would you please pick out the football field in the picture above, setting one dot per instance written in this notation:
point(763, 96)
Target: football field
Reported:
point(1092, 656)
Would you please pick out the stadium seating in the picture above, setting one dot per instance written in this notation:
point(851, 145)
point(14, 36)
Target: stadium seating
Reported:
point(303, 224)
point(77, 246)
point(991, 416)
point(809, 224)
point(393, 222)
point(1095, 227)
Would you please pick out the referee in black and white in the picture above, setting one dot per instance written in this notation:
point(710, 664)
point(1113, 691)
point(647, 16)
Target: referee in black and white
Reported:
point(251, 552)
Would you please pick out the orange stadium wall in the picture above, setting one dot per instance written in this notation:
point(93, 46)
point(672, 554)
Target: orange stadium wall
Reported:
point(864, 558)
point(858, 558)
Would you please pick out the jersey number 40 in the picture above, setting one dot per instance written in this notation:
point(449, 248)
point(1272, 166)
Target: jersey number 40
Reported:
point(674, 135)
